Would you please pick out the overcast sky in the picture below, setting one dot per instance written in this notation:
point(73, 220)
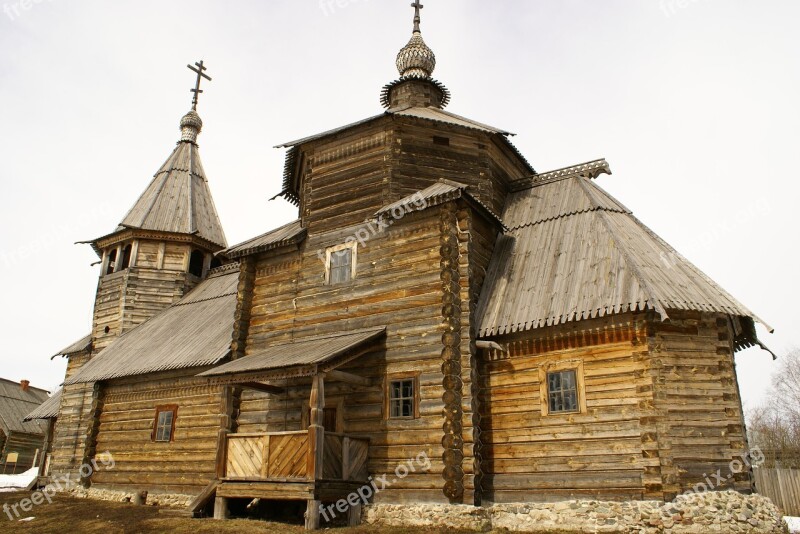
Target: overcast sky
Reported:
point(695, 106)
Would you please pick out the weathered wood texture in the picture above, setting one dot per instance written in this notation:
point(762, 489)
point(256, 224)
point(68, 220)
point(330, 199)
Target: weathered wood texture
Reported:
point(25, 445)
point(72, 425)
point(397, 284)
point(698, 425)
point(346, 178)
point(529, 456)
point(782, 486)
point(127, 298)
point(184, 465)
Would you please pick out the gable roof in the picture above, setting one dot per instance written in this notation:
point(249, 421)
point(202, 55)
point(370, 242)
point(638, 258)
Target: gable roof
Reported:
point(574, 252)
point(48, 409)
point(178, 199)
point(284, 235)
point(193, 332)
point(15, 404)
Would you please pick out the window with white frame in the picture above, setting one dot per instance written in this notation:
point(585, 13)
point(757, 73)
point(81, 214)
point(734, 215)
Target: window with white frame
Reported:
point(340, 263)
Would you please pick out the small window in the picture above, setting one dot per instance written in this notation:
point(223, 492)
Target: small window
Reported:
point(403, 398)
point(562, 391)
point(196, 263)
point(341, 263)
point(443, 141)
point(164, 426)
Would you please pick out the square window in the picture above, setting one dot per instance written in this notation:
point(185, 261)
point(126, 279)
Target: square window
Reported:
point(402, 399)
point(562, 391)
point(164, 430)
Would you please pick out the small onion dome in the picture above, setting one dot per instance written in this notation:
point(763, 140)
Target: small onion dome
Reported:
point(191, 124)
point(416, 59)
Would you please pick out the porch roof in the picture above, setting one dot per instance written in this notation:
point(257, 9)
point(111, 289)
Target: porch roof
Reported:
point(303, 357)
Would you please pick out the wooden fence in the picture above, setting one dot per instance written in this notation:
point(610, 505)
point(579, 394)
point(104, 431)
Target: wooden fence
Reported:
point(780, 485)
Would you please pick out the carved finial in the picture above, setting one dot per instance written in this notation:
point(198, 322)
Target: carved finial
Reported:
point(200, 75)
point(417, 6)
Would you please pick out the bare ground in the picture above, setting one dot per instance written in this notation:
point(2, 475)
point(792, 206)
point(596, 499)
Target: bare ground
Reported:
point(83, 516)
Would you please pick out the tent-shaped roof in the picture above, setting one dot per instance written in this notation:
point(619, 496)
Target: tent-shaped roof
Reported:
point(574, 252)
point(15, 404)
point(178, 199)
point(193, 332)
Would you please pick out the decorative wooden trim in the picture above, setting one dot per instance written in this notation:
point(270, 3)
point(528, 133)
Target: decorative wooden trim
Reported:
point(159, 410)
point(387, 382)
point(544, 396)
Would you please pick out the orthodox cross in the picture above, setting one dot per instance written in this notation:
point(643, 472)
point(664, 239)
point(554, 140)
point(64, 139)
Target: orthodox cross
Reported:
point(200, 74)
point(417, 6)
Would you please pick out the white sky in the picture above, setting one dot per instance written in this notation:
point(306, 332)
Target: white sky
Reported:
point(695, 107)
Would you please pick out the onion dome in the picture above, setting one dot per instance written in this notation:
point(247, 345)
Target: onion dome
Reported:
point(191, 124)
point(416, 59)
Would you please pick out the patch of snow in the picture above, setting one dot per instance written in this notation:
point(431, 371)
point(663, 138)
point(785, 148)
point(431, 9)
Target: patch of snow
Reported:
point(21, 480)
point(793, 523)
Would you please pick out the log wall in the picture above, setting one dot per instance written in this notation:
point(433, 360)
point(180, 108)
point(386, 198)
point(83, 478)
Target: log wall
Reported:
point(25, 445)
point(398, 285)
point(72, 425)
point(698, 411)
point(533, 456)
point(186, 464)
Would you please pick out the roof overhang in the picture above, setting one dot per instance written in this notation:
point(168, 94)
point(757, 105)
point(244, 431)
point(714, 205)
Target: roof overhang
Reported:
point(125, 233)
point(301, 358)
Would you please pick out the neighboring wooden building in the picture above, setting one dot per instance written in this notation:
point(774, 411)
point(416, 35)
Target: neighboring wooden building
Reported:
point(19, 439)
point(506, 335)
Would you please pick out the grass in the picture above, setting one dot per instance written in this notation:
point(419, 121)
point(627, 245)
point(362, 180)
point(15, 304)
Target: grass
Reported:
point(84, 516)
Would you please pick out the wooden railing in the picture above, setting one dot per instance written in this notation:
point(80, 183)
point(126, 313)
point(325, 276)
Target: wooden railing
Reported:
point(285, 456)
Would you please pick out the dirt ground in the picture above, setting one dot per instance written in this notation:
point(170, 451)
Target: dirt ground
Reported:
point(83, 516)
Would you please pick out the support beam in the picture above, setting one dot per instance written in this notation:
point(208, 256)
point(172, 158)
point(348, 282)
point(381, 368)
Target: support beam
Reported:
point(316, 442)
point(491, 345)
point(349, 378)
point(220, 508)
point(264, 388)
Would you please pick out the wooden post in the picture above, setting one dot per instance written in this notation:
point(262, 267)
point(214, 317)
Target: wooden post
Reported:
point(206, 263)
point(162, 251)
point(354, 515)
point(316, 442)
point(118, 259)
point(134, 253)
point(220, 508)
point(104, 265)
point(346, 458)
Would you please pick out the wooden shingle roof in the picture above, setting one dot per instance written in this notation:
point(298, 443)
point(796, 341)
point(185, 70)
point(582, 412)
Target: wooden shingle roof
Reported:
point(178, 199)
point(194, 332)
point(82, 345)
point(574, 252)
point(15, 404)
point(287, 234)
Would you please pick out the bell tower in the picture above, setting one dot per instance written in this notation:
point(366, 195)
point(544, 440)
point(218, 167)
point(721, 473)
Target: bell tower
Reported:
point(164, 245)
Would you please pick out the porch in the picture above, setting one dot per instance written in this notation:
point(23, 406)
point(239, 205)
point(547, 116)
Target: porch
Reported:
point(315, 465)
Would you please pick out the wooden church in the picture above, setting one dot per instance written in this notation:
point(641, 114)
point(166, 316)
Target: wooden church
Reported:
point(437, 298)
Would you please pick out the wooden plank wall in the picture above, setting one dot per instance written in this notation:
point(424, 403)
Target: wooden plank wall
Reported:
point(24, 444)
point(398, 285)
point(782, 486)
point(529, 456)
point(696, 398)
point(185, 465)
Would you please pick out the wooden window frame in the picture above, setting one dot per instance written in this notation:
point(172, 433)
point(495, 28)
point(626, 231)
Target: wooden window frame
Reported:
point(163, 409)
point(353, 247)
point(387, 395)
point(544, 394)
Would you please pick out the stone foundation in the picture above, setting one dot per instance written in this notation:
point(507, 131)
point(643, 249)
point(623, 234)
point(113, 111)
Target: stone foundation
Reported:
point(153, 499)
point(701, 513)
